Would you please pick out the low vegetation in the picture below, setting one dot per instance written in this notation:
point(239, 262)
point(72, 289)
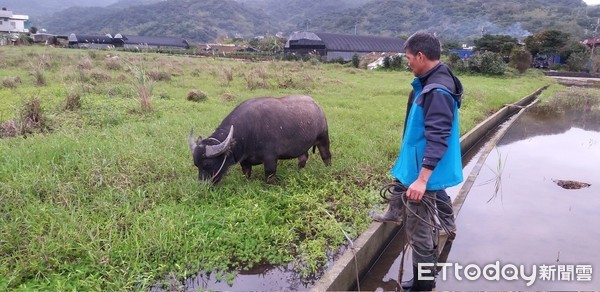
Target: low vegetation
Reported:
point(102, 194)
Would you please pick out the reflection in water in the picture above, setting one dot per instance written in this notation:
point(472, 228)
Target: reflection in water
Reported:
point(537, 222)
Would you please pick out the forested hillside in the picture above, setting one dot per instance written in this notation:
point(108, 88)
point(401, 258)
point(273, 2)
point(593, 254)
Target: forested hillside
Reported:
point(204, 20)
point(461, 19)
point(35, 8)
point(194, 20)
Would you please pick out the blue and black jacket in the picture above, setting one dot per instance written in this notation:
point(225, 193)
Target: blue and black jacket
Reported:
point(431, 132)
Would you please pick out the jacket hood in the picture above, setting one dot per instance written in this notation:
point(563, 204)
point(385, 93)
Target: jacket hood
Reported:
point(441, 76)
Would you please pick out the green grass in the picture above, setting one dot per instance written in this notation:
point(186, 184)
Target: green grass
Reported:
point(108, 198)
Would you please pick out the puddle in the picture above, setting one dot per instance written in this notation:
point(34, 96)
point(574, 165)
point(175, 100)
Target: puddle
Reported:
point(530, 220)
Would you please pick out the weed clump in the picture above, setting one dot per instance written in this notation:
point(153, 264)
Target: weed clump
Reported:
point(228, 96)
point(38, 74)
point(11, 82)
point(86, 63)
point(196, 95)
point(29, 119)
point(100, 76)
point(112, 63)
point(8, 129)
point(72, 100)
point(157, 75)
point(144, 86)
point(227, 76)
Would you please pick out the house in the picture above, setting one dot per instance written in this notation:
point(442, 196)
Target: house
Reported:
point(13, 23)
point(335, 46)
point(47, 38)
point(593, 42)
point(133, 41)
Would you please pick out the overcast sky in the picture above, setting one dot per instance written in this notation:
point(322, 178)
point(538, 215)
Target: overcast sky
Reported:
point(592, 2)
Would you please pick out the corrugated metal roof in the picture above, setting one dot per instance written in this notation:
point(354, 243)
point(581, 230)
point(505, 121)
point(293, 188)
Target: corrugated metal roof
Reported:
point(92, 39)
point(345, 42)
point(153, 41)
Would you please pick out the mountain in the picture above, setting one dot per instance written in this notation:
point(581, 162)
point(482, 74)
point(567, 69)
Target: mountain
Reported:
point(204, 20)
point(297, 15)
point(460, 19)
point(35, 8)
point(129, 3)
point(193, 20)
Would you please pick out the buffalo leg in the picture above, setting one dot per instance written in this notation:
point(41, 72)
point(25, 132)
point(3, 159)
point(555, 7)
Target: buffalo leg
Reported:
point(302, 160)
point(270, 168)
point(246, 169)
point(323, 145)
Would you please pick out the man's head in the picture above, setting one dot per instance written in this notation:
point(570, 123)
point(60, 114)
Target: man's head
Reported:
point(423, 50)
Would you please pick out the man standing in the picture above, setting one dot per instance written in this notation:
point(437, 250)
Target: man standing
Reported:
point(430, 157)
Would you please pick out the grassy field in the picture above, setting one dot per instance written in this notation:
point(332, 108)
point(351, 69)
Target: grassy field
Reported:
point(101, 194)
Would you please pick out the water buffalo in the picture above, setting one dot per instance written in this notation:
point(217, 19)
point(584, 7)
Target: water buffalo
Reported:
point(261, 131)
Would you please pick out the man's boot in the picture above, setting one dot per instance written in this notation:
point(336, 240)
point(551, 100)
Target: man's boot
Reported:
point(393, 214)
point(415, 284)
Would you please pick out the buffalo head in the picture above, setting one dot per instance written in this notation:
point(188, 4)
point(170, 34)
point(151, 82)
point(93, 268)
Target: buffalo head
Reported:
point(211, 156)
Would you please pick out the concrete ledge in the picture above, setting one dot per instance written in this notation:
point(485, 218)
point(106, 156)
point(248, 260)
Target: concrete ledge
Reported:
point(468, 140)
point(357, 260)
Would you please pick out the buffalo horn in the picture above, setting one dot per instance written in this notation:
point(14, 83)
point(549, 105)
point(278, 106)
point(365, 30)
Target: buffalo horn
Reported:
point(192, 143)
point(215, 150)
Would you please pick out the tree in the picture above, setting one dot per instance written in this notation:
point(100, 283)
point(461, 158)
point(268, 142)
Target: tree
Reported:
point(494, 43)
point(451, 45)
point(547, 42)
point(33, 30)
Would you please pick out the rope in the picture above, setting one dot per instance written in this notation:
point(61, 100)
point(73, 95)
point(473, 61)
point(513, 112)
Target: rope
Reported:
point(220, 168)
point(429, 201)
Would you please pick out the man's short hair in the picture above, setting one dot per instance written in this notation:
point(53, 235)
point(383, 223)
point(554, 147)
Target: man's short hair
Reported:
point(426, 43)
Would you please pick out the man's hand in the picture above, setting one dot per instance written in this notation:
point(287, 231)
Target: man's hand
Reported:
point(417, 189)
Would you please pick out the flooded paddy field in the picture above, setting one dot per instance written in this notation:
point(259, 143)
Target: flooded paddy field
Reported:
point(517, 213)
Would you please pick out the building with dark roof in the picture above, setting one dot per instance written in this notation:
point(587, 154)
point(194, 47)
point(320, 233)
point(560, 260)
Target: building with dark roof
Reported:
point(126, 41)
point(334, 46)
point(134, 41)
point(90, 41)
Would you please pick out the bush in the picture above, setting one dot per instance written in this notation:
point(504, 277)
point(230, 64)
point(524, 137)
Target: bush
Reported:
point(520, 59)
point(355, 60)
point(577, 61)
point(392, 62)
point(487, 63)
point(196, 96)
point(396, 63)
point(457, 64)
point(338, 60)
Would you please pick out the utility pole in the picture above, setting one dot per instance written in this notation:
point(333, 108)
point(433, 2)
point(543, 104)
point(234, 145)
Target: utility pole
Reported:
point(594, 45)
